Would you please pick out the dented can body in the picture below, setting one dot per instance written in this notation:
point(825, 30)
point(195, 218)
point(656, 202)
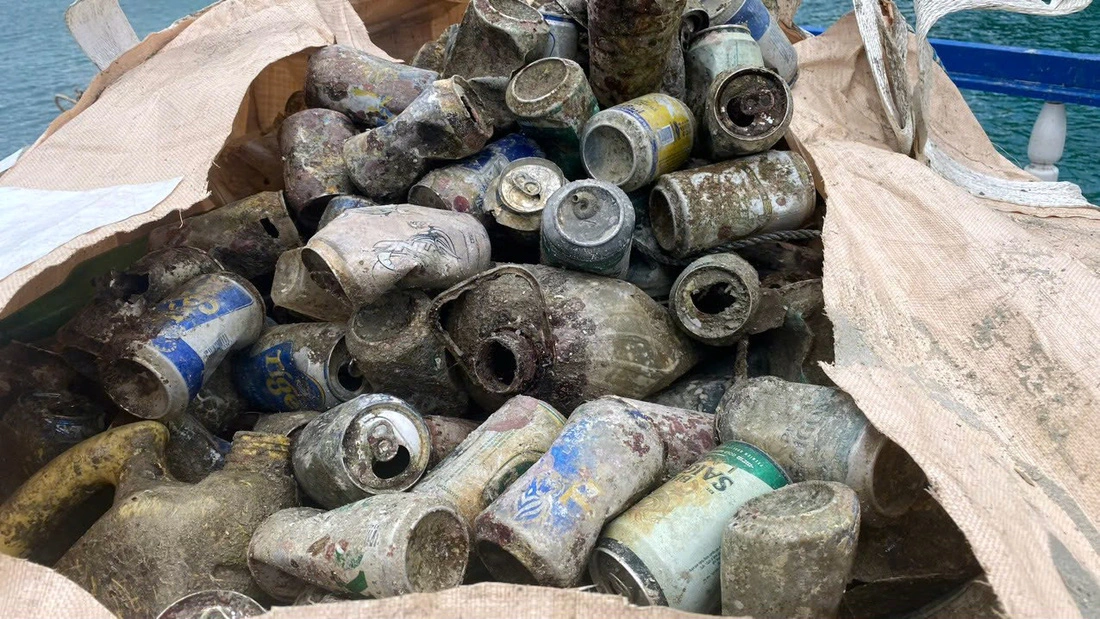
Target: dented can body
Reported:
point(695, 210)
point(588, 226)
point(443, 123)
point(712, 51)
point(560, 336)
point(397, 352)
point(247, 236)
point(298, 367)
point(715, 297)
point(493, 456)
point(373, 444)
point(819, 433)
point(517, 197)
point(446, 433)
point(312, 145)
point(633, 143)
point(294, 289)
point(630, 43)
point(369, 89)
point(461, 186)
point(788, 554)
point(553, 101)
point(664, 550)
point(496, 37)
point(379, 547)
point(367, 252)
point(778, 52)
point(164, 362)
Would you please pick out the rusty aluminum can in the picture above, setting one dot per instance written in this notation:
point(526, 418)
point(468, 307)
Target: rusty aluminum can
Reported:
point(367, 252)
point(715, 297)
point(493, 456)
point(787, 555)
point(443, 123)
point(553, 102)
point(778, 52)
point(193, 451)
point(748, 110)
point(294, 289)
point(432, 54)
point(633, 143)
point(712, 51)
point(819, 433)
point(396, 350)
point(446, 433)
point(664, 550)
point(247, 236)
point(588, 226)
point(495, 38)
point(379, 547)
point(461, 186)
point(557, 335)
point(298, 367)
point(177, 345)
point(565, 32)
point(312, 145)
point(630, 43)
point(369, 89)
point(699, 209)
point(517, 198)
point(213, 605)
point(373, 444)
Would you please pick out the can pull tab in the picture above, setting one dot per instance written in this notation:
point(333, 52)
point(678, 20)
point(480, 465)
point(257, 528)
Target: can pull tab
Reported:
point(584, 205)
point(383, 441)
point(526, 183)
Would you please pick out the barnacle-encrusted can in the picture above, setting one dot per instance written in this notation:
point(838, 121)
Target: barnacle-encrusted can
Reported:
point(630, 44)
point(664, 550)
point(819, 433)
point(367, 252)
point(446, 122)
point(294, 289)
point(312, 145)
point(496, 37)
point(588, 226)
point(246, 237)
point(396, 350)
point(788, 554)
point(517, 197)
point(493, 456)
point(698, 209)
point(373, 444)
point(779, 55)
point(715, 297)
point(633, 143)
point(161, 365)
point(461, 186)
point(553, 101)
point(296, 367)
point(561, 336)
point(369, 89)
point(378, 547)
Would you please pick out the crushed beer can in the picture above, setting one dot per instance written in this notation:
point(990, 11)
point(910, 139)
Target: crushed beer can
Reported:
point(312, 145)
point(588, 226)
point(495, 38)
point(285, 424)
point(368, 89)
point(553, 101)
point(517, 197)
point(629, 46)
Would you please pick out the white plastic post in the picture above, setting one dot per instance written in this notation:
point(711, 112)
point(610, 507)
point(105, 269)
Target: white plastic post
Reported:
point(1048, 141)
point(101, 30)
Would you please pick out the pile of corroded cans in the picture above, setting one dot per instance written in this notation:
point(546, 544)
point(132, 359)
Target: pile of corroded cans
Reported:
point(543, 307)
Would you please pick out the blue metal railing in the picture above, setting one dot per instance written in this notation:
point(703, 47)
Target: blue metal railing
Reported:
point(1023, 72)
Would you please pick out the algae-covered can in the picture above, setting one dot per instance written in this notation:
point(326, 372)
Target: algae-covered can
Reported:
point(665, 550)
point(633, 143)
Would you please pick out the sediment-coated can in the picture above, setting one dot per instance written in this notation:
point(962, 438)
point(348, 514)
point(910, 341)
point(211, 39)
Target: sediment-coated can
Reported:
point(496, 37)
point(493, 456)
point(338, 205)
point(289, 425)
point(629, 46)
point(553, 102)
point(294, 289)
point(819, 433)
point(378, 547)
point(698, 209)
point(517, 198)
point(664, 550)
point(694, 392)
point(193, 452)
point(217, 403)
point(715, 297)
point(433, 54)
point(367, 252)
point(748, 110)
point(373, 444)
point(312, 146)
point(161, 366)
point(396, 350)
point(788, 554)
point(633, 143)
point(778, 52)
point(247, 236)
point(461, 186)
point(562, 41)
point(296, 367)
point(369, 89)
point(712, 51)
point(446, 122)
point(588, 226)
point(213, 605)
point(446, 434)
